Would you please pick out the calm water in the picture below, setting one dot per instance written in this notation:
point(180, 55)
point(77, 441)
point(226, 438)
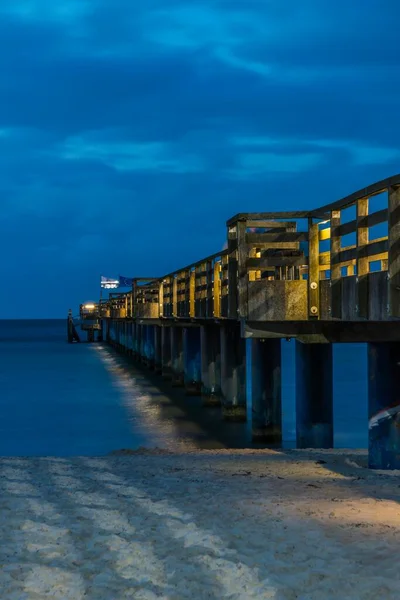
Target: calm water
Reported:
point(61, 399)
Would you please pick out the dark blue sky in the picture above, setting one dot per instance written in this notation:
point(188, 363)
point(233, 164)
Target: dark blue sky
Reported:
point(131, 130)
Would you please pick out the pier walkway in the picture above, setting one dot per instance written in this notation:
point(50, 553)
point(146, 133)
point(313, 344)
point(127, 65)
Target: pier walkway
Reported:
point(327, 275)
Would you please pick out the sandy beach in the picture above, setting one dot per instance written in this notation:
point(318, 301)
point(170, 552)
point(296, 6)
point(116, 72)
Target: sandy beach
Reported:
point(287, 525)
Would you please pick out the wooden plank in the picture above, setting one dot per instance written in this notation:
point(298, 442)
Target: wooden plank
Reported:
point(192, 289)
point(394, 251)
point(275, 261)
point(346, 255)
point(300, 214)
point(349, 298)
point(242, 270)
point(232, 288)
point(271, 224)
point(372, 249)
point(313, 270)
point(325, 299)
point(375, 218)
point(267, 238)
point(378, 296)
point(160, 299)
point(277, 300)
point(336, 293)
point(174, 297)
point(347, 228)
point(362, 301)
point(217, 290)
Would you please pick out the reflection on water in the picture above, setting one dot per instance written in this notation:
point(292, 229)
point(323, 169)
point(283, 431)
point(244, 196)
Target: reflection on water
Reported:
point(165, 416)
point(62, 400)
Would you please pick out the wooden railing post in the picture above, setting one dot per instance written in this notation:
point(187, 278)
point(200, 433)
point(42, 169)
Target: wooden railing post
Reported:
point(313, 270)
point(362, 260)
point(394, 251)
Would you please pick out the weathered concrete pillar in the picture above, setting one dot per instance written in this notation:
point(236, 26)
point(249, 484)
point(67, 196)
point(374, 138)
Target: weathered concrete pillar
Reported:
point(149, 346)
point(211, 364)
point(192, 361)
point(314, 396)
point(166, 352)
point(233, 372)
point(128, 337)
point(122, 339)
point(157, 349)
point(384, 405)
point(131, 337)
point(135, 333)
point(266, 391)
point(177, 356)
point(100, 333)
point(142, 342)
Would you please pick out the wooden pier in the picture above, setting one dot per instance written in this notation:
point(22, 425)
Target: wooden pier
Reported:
point(327, 275)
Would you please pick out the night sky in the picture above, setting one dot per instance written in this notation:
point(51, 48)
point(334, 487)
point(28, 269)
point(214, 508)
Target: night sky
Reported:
point(131, 130)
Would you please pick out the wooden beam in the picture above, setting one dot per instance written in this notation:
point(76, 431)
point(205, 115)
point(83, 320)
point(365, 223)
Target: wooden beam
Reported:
point(300, 214)
point(371, 249)
point(275, 261)
point(375, 218)
point(271, 224)
point(362, 260)
point(268, 238)
point(242, 269)
point(347, 228)
point(217, 290)
point(336, 286)
point(313, 270)
point(394, 251)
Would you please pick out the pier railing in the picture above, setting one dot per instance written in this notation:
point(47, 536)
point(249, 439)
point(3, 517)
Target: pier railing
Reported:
point(338, 262)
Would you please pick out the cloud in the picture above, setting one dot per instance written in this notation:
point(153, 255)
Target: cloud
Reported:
point(124, 125)
point(131, 156)
point(63, 13)
point(360, 153)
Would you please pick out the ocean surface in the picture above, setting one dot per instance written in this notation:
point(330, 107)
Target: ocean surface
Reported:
point(64, 399)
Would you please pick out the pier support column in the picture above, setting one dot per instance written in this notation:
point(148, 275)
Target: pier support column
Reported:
point(142, 342)
point(166, 352)
point(157, 349)
point(384, 405)
point(100, 334)
point(177, 356)
point(314, 396)
point(131, 337)
point(211, 365)
point(233, 373)
point(118, 335)
point(107, 324)
point(192, 360)
point(266, 391)
point(123, 337)
point(135, 333)
point(149, 346)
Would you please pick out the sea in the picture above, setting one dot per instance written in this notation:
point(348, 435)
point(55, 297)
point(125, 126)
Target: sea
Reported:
point(60, 399)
